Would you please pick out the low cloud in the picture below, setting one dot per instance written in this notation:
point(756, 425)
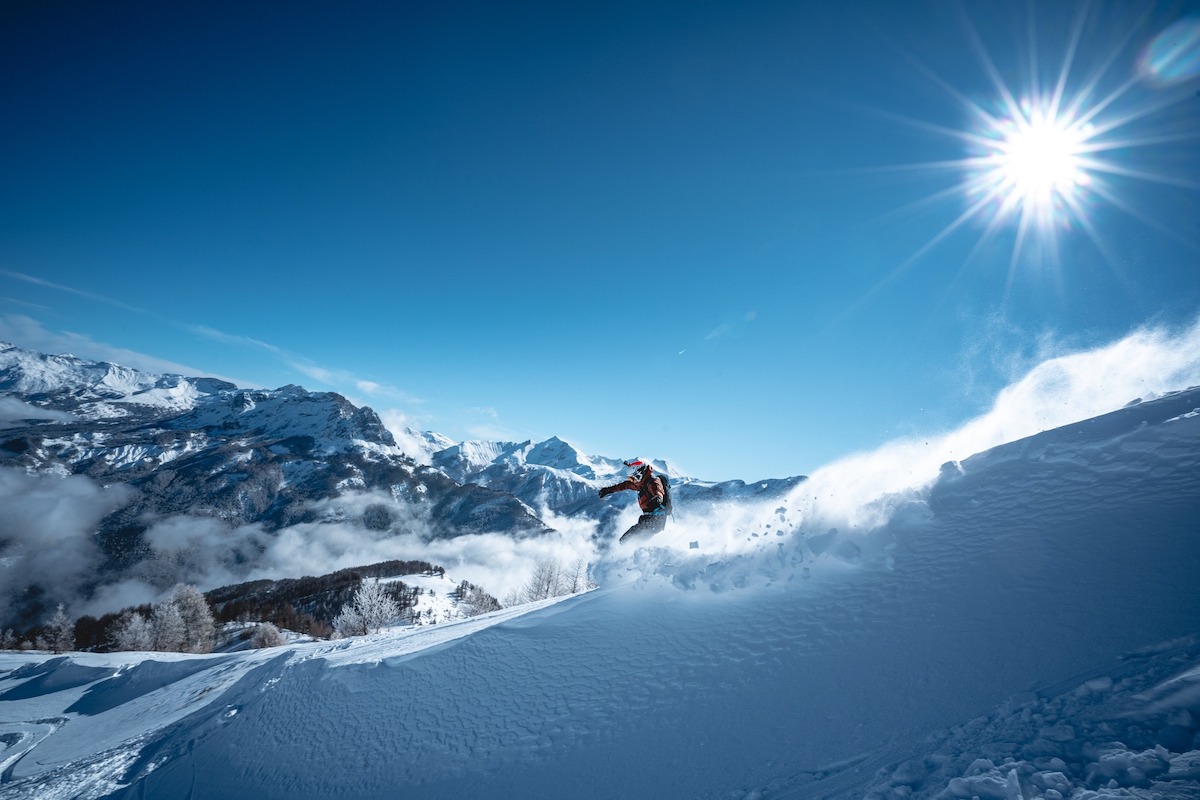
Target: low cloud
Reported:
point(14, 411)
point(405, 430)
point(350, 531)
point(47, 534)
point(341, 539)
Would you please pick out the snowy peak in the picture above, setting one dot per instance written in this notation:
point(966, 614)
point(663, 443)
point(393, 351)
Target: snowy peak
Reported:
point(27, 372)
point(102, 391)
point(328, 418)
point(467, 458)
point(96, 389)
point(557, 454)
point(475, 459)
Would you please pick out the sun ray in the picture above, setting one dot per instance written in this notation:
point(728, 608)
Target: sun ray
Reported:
point(899, 270)
point(1045, 156)
point(1140, 174)
point(1119, 203)
point(1060, 87)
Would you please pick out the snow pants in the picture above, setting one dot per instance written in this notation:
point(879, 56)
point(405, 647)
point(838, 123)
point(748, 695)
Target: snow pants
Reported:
point(647, 525)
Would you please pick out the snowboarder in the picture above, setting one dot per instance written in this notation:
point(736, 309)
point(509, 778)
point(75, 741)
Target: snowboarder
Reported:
point(654, 498)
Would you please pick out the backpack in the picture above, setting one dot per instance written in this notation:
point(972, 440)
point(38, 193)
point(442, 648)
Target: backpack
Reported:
point(665, 483)
point(666, 487)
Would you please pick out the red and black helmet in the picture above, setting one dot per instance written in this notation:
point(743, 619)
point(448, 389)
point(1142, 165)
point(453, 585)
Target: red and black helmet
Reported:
point(639, 466)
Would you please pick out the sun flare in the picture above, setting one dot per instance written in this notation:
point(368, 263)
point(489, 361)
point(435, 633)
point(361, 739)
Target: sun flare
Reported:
point(1037, 162)
point(1045, 154)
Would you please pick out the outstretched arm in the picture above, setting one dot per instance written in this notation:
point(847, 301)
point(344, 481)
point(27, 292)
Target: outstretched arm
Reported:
point(620, 487)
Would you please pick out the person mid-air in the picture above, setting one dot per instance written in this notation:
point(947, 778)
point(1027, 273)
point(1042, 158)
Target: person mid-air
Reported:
point(654, 498)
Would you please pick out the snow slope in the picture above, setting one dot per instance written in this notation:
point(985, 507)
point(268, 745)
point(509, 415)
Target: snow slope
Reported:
point(1026, 627)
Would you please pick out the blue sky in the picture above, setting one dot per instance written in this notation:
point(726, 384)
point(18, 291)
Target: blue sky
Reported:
point(734, 235)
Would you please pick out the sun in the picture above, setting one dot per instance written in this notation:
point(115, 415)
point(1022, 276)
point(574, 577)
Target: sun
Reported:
point(1037, 166)
point(1040, 167)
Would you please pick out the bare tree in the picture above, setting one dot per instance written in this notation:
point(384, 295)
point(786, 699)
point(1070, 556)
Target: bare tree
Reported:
point(574, 578)
point(550, 579)
point(544, 582)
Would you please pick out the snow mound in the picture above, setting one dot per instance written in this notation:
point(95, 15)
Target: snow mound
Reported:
point(1132, 733)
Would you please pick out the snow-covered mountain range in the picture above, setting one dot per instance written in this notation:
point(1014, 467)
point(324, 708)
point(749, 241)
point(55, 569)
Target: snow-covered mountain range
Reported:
point(178, 478)
point(1025, 627)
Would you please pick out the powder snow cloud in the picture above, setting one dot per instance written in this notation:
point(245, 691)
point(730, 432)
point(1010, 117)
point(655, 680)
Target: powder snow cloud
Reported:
point(862, 490)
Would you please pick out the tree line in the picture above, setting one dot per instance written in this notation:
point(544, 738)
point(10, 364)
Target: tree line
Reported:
point(350, 602)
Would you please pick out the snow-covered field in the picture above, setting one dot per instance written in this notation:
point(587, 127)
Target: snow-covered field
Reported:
point(1026, 627)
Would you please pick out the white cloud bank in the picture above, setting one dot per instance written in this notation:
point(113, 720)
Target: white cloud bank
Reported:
point(209, 553)
point(47, 533)
point(14, 412)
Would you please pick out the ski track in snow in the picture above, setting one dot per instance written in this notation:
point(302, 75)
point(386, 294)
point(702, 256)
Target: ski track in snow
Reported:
point(974, 650)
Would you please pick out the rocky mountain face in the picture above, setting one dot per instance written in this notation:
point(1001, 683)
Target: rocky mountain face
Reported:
point(554, 474)
point(204, 448)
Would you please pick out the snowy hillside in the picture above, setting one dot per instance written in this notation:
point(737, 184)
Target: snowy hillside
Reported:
point(1026, 627)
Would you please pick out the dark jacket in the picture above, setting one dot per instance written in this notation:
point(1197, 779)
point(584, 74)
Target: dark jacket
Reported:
point(649, 489)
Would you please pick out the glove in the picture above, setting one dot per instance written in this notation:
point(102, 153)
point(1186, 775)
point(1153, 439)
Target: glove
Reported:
point(658, 500)
point(606, 491)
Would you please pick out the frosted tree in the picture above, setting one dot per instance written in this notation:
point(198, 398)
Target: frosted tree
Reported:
point(371, 609)
point(550, 579)
point(475, 600)
point(60, 631)
point(199, 629)
point(132, 632)
point(349, 622)
point(574, 578)
point(8, 640)
point(544, 582)
point(170, 631)
point(267, 635)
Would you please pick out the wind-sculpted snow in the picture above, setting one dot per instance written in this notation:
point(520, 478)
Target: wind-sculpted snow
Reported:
point(1025, 626)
